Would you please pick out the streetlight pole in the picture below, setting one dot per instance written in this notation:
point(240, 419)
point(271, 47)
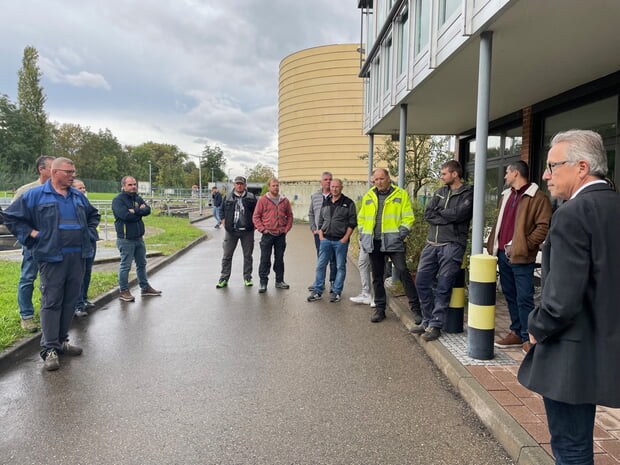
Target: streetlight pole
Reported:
point(200, 185)
point(150, 185)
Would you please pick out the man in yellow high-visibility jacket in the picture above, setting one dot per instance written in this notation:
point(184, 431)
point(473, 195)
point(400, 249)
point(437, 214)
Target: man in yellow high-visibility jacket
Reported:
point(384, 220)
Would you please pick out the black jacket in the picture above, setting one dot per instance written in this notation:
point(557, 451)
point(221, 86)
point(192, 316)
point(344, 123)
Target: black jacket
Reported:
point(336, 217)
point(449, 214)
point(129, 225)
point(228, 211)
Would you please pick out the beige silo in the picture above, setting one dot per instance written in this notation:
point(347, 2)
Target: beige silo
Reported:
point(320, 115)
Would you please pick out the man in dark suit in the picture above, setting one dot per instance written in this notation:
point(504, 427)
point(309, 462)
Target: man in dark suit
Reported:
point(573, 362)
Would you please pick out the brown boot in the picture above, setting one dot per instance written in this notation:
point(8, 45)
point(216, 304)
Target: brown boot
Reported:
point(511, 340)
point(126, 296)
point(150, 291)
point(29, 325)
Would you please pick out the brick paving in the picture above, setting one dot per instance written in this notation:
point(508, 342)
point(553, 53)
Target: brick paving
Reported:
point(499, 378)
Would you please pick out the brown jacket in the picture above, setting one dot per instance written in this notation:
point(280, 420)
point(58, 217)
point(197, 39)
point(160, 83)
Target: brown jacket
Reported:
point(531, 225)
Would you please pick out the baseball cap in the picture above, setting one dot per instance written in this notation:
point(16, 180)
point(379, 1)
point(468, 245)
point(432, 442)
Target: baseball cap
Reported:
point(240, 179)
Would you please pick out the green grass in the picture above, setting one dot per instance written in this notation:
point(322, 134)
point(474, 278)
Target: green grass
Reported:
point(172, 234)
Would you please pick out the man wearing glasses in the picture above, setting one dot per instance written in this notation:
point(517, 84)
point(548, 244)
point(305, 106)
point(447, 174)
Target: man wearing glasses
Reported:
point(574, 332)
point(237, 210)
point(129, 209)
point(29, 268)
point(57, 223)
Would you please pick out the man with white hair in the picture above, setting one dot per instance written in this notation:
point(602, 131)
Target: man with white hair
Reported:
point(574, 332)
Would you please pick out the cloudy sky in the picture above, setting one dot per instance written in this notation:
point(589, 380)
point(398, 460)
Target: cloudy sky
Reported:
point(184, 72)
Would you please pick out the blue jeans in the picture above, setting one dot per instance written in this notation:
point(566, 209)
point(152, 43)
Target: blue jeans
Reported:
point(439, 266)
point(572, 428)
point(517, 282)
point(328, 250)
point(332, 260)
point(130, 250)
point(25, 287)
point(216, 215)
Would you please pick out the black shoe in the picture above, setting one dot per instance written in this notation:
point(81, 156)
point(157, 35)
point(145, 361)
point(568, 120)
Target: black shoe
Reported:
point(417, 316)
point(334, 297)
point(331, 287)
point(431, 334)
point(311, 287)
point(314, 296)
point(378, 316)
point(418, 329)
point(262, 288)
point(282, 285)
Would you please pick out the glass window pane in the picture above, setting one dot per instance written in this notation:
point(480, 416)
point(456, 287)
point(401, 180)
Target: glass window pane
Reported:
point(422, 20)
point(447, 8)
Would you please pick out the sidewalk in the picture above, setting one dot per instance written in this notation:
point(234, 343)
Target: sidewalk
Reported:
point(515, 415)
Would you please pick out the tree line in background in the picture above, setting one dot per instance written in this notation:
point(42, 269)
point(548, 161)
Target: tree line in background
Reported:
point(26, 133)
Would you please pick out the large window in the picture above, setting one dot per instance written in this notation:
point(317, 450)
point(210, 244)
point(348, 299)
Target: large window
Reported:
point(387, 63)
point(599, 116)
point(422, 22)
point(447, 9)
point(403, 41)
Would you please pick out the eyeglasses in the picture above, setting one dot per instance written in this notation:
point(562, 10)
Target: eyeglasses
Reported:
point(66, 171)
point(550, 166)
point(240, 183)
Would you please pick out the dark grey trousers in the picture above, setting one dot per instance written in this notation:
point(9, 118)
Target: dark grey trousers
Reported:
point(61, 283)
point(230, 244)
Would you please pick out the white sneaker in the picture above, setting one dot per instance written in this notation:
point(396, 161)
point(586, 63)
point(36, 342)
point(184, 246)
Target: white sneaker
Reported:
point(372, 303)
point(361, 299)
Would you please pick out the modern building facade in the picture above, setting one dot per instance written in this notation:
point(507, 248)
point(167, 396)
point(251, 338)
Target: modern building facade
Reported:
point(520, 69)
point(320, 123)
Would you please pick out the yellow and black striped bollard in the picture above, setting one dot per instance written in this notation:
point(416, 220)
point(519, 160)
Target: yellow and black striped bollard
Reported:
point(481, 308)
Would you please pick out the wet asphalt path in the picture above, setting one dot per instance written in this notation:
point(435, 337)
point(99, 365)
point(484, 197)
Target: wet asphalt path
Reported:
point(207, 376)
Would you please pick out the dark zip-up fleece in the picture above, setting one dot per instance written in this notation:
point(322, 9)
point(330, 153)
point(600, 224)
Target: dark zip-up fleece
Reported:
point(449, 214)
point(129, 225)
point(336, 217)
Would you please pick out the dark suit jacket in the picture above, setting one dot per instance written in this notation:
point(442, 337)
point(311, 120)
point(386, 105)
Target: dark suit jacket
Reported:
point(577, 326)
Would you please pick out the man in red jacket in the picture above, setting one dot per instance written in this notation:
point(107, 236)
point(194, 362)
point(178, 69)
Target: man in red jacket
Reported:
point(273, 218)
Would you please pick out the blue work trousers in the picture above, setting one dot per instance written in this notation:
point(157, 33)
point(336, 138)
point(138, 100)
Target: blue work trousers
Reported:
point(328, 250)
point(438, 267)
point(60, 290)
point(517, 282)
point(332, 259)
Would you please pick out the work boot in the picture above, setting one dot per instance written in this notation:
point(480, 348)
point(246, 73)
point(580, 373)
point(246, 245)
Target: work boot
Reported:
point(68, 349)
point(282, 285)
point(51, 362)
point(126, 296)
point(420, 329)
point(148, 290)
point(417, 316)
point(262, 288)
point(431, 334)
point(378, 315)
point(29, 325)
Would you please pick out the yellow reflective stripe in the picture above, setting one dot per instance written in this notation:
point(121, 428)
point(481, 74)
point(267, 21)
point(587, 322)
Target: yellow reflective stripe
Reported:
point(481, 316)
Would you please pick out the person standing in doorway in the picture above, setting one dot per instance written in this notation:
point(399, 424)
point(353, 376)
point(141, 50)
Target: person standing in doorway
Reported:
point(273, 218)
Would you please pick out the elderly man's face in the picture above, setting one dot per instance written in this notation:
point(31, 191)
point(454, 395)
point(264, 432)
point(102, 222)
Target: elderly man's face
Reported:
point(382, 180)
point(63, 174)
point(335, 188)
point(239, 187)
point(562, 179)
point(325, 181)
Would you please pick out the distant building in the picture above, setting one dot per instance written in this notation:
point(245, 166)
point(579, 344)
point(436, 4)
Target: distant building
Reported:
point(320, 123)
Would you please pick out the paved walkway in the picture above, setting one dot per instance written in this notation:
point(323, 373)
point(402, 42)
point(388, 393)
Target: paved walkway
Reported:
point(512, 413)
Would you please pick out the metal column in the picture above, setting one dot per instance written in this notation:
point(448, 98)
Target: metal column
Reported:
point(371, 152)
point(403, 146)
point(482, 134)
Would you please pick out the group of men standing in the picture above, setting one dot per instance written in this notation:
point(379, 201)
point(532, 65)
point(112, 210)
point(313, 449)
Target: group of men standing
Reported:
point(272, 216)
point(57, 226)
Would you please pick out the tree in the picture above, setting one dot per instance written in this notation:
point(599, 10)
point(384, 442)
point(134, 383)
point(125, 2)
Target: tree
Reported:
point(260, 173)
point(17, 149)
point(213, 159)
point(424, 156)
point(31, 98)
